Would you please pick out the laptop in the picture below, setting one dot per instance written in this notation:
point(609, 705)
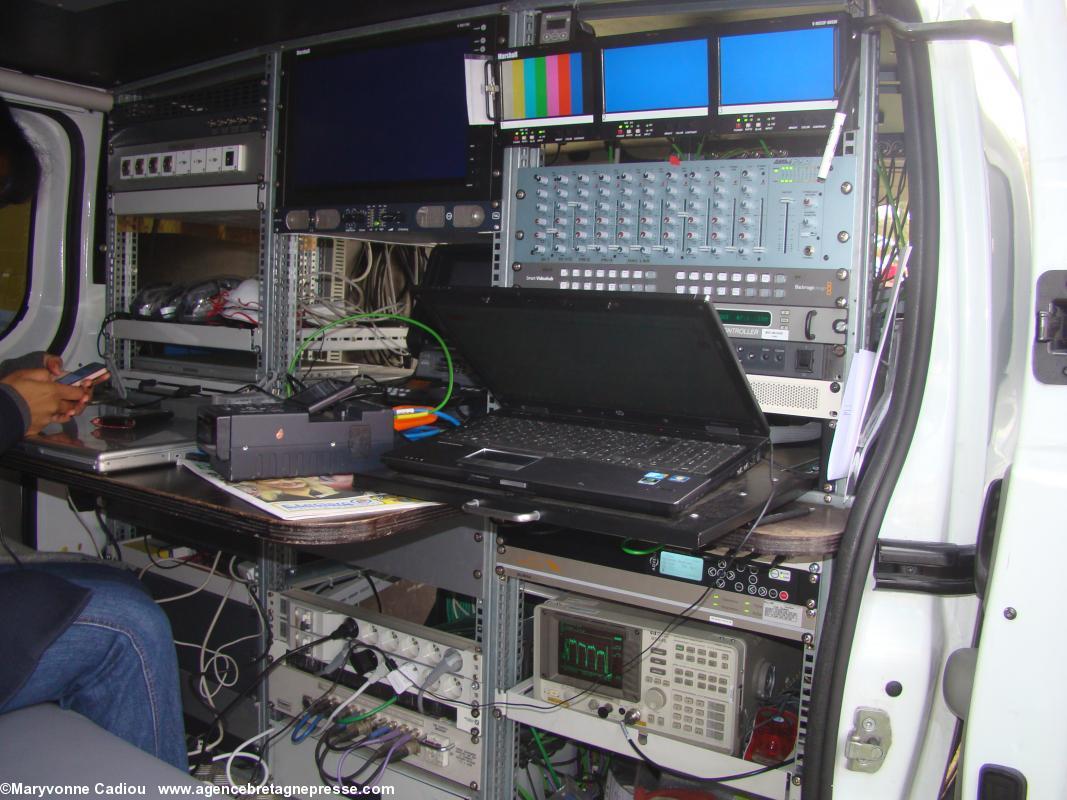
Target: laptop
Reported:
point(626, 402)
point(153, 441)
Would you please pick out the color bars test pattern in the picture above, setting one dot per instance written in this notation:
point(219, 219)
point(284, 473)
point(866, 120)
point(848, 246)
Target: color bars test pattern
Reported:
point(547, 89)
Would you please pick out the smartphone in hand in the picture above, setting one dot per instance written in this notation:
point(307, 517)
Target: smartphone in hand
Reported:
point(84, 376)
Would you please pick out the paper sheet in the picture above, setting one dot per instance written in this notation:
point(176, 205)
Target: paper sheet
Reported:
point(850, 419)
point(474, 67)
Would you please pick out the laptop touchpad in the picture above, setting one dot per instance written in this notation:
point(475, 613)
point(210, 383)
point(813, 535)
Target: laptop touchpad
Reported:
point(499, 459)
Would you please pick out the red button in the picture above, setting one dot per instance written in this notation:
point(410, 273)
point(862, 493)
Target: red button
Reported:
point(783, 595)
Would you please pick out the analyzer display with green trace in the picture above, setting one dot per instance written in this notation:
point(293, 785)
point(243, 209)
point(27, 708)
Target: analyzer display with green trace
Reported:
point(591, 652)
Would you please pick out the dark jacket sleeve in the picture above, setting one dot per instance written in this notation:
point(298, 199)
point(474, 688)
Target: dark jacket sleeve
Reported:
point(14, 417)
point(34, 360)
point(37, 608)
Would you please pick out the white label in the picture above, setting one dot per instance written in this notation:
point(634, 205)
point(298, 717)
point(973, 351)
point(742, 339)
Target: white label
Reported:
point(720, 620)
point(774, 333)
point(780, 574)
point(782, 612)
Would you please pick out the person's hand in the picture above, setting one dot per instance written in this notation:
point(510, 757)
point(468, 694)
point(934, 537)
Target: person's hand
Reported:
point(54, 364)
point(48, 401)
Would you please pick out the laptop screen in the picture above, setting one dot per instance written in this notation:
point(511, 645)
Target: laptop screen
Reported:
point(642, 358)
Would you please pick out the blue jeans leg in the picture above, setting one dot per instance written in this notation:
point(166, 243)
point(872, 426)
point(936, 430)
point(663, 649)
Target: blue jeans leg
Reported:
point(115, 664)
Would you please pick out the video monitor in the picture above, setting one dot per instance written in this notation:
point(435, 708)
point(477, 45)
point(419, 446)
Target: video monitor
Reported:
point(779, 75)
point(547, 96)
point(656, 85)
point(383, 120)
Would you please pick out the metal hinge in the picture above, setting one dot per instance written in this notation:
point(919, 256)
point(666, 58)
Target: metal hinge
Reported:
point(868, 741)
point(1050, 337)
point(929, 567)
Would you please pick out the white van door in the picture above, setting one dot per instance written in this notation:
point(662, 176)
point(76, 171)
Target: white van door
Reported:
point(1011, 745)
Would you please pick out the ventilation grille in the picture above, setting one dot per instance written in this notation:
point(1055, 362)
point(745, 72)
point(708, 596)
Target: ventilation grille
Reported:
point(785, 395)
point(806, 683)
point(225, 98)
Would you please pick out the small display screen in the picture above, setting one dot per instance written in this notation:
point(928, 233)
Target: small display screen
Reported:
point(679, 565)
point(591, 652)
point(656, 81)
point(789, 70)
point(543, 90)
point(732, 316)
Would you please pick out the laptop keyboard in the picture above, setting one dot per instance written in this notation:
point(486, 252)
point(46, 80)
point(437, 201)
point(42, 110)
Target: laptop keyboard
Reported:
point(600, 445)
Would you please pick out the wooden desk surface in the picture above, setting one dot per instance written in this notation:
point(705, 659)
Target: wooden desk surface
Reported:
point(139, 497)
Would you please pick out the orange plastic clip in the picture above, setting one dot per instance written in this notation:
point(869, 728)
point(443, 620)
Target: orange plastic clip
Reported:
point(407, 418)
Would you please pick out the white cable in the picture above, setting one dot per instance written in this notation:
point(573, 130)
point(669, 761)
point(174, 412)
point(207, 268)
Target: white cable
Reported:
point(214, 653)
point(205, 691)
point(224, 667)
point(88, 530)
point(242, 639)
point(199, 588)
point(370, 263)
point(390, 283)
point(160, 561)
point(374, 677)
point(251, 756)
point(252, 597)
point(207, 748)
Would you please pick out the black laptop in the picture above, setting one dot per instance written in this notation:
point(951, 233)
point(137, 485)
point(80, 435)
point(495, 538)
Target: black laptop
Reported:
point(628, 402)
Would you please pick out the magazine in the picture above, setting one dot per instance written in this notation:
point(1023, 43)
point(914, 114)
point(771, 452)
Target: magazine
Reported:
point(313, 497)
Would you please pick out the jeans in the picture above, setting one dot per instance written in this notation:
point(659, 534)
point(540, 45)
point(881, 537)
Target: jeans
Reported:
point(116, 664)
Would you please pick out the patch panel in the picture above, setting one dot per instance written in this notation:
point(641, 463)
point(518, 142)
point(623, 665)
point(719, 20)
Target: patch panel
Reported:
point(182, 162)
point(450, 750)
point(302, 617)
point(186, 163)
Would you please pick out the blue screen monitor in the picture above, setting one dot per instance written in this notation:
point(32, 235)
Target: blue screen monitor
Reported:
point(779, 76)
point(655, 88)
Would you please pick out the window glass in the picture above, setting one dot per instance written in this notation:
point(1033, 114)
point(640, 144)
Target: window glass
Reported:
point(16, 236)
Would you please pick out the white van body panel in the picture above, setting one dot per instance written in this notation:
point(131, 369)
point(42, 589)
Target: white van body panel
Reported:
point(1019, 692)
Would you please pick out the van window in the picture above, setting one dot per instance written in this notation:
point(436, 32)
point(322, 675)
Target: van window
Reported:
point(16, 237)
point(40, 242)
